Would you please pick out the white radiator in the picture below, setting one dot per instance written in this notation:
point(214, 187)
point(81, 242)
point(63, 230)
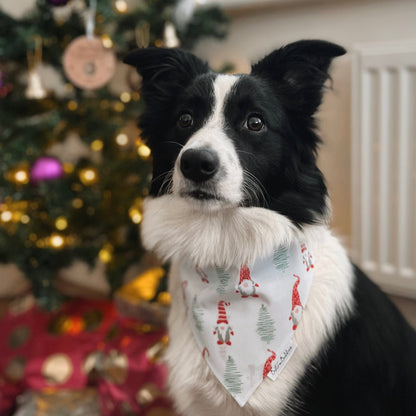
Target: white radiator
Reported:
point(384, 164)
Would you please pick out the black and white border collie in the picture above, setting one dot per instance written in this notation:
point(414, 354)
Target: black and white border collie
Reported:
point(235, 175)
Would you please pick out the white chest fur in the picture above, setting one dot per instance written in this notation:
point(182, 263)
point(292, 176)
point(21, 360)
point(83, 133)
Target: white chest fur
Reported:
point(173, 229)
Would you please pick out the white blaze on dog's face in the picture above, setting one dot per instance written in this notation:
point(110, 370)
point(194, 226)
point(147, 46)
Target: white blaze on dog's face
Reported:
point(207, 171)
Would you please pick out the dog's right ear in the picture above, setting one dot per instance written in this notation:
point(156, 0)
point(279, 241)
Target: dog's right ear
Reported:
point(165, 72)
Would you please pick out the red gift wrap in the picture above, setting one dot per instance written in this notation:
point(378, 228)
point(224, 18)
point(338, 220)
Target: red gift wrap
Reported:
point(84, 344)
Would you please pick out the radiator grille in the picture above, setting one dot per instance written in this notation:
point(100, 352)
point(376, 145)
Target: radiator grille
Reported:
point(384, 164)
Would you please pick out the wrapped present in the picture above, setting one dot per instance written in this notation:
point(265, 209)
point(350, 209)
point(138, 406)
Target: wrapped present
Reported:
point(131, 377)
point(40, 349)
point(84, 343)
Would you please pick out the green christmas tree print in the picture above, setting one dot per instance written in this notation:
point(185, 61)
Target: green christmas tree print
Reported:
point(232, 377)
point(197, 314)
point(223, 277)
point(265, 325)
point(281, 259)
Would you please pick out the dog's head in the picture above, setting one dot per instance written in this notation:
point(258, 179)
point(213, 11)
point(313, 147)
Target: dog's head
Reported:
point(221, 141)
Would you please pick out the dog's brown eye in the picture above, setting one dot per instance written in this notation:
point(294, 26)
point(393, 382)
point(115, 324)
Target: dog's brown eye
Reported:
point(255, 123)
point(185, 120)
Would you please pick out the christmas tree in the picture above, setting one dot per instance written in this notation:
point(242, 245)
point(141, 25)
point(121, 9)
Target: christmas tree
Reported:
point(197, 314)
point(232, 377)
point(73, 169)
point(265, 325)
point(281, 259)
point(223, 277)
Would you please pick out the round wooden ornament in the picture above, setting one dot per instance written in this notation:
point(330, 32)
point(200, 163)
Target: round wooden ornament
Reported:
point(88, 64)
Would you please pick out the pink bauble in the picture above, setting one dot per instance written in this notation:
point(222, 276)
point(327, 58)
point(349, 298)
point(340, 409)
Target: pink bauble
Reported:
point(46, 169)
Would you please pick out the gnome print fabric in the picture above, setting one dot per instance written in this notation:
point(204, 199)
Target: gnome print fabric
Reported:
point(243, 319)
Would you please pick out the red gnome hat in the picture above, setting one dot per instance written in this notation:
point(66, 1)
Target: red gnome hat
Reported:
point(222, 314)
point(244, 273)
point(295, 294)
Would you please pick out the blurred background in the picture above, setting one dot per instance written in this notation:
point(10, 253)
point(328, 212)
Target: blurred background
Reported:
point(74, 171)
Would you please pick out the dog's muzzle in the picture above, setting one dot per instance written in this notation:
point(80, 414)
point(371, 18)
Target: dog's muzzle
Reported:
point(199, 165)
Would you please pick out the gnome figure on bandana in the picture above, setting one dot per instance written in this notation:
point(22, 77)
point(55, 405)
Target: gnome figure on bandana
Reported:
point(307, 257)
point(202, 274)
point(223, 329)
point(268, 364)
point(246, 286)
point(297, 307)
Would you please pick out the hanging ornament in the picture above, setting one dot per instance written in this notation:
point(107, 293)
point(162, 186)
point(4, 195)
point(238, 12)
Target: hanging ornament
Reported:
point(35, 89)
point(46, 169)
point(5, 87)
point(58, 2)
point(87, 62)
point(170, 39)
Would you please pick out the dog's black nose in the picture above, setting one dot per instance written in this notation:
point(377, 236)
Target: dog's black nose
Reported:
point(199, 165)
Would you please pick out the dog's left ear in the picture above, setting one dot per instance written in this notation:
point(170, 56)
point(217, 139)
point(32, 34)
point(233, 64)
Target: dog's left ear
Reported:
point(298, 71)
point(165, 72)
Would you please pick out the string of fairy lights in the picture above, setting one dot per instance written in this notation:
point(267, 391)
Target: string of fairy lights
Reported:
point(14, 212)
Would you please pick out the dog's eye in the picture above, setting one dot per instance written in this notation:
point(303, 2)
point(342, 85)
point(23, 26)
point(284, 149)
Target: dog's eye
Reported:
point(185, 120)
point(254, 123)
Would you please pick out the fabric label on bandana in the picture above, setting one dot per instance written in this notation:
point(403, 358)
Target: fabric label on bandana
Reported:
point(243, 320)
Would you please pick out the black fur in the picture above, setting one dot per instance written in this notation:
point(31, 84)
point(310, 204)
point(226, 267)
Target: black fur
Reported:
point(173, 81)
point(296, 74)
point(285, 160)
point(369, 368)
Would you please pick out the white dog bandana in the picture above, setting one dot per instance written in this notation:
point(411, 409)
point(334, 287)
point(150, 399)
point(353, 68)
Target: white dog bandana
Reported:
point(243, 320)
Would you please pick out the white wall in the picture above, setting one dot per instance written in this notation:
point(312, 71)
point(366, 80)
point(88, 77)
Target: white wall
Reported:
point(255, 33)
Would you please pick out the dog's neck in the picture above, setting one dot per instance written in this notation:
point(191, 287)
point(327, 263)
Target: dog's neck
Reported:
point(173, 228)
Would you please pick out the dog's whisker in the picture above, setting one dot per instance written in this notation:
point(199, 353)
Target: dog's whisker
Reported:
point(244, 152)
point(250, 192)
point(254, 189)
point(177, 143)
point(167, 183)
